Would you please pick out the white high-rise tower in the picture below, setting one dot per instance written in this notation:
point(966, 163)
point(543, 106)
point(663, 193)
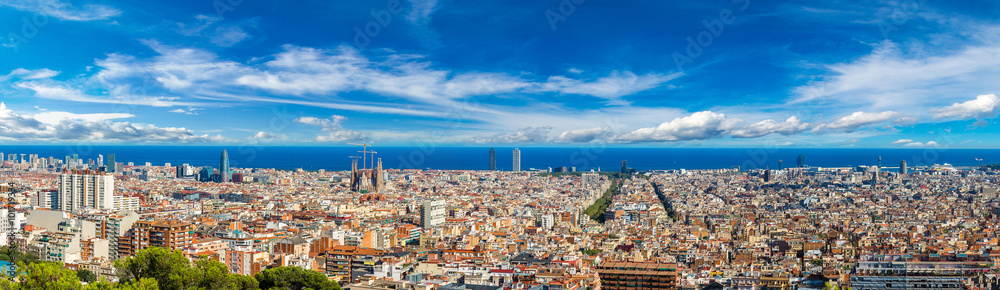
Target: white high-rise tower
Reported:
point(517, 160)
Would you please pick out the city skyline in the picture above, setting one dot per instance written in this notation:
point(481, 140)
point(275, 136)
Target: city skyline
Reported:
point(400, 73)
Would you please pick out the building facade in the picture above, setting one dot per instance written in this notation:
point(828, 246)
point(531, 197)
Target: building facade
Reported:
point(86, 189)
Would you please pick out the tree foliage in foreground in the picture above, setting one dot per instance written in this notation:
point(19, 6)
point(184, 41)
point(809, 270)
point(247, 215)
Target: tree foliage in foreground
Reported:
point(158, 268)
point(294, 278)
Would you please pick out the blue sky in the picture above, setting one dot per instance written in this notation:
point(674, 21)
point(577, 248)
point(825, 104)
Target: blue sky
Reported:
point(733, 73)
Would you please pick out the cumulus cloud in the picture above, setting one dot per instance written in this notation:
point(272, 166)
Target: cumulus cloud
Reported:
point(982, 107)
point(332, 129)
point(790, 126)
point(856, 120)
point(267, 136)
point(902, 141)
point(523, 135)
point(585, 135)
point(697, 126)
point(63, 10)
point(65, 126)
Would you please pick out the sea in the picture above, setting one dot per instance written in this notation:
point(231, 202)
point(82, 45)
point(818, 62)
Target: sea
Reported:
point(583, 158)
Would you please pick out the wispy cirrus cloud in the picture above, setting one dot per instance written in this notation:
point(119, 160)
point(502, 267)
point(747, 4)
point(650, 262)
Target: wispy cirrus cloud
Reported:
point(63, 10)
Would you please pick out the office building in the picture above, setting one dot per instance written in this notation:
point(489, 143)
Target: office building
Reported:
point(432, 213)
point(112, 164)
point(517, 160)
point(493, 159)
point(224, 167)
point(767, 175)
point(800, 162)
point(902, 167)
point(624, 166)
point(86, 189)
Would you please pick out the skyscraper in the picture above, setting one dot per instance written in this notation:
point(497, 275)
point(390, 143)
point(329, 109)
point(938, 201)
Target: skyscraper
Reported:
point(517, 160)
point(880, 162)
point(801, 161)
point(779, 164)
point(902, 167)
point(624, 166)
point(224, 167)
point(493, 159)
point(111, 163)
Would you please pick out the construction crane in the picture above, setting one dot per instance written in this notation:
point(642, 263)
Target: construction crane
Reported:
point(373, 158)
point(365, 155)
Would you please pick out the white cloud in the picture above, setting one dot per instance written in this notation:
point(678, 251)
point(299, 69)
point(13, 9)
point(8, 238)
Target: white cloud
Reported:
point(26, 74)
point(266, 136)
point(62, 10)
point(189, 111)
point(982, 107)
point(332, 129)
point(902, 141)
point(790, 126)
point(922, 145)
point(69, 94)
point(523, 135)
point(585, 135)
point(65, 126)
point(856, 120)
point(225, 35)
point(612, 87)
point(421, 10)
point(697, 126)
point(910, 78)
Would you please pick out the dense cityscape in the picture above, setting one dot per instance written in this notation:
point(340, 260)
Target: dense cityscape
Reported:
point(803, 227)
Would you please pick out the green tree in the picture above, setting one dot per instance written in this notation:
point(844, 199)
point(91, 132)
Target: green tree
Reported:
point(170, 269)
point(12, 254)
point(294, 278)
point(86, 275)
point(44, 276)
point(215, 275)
